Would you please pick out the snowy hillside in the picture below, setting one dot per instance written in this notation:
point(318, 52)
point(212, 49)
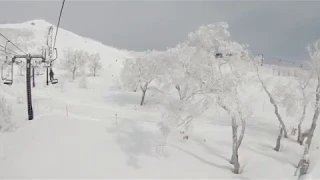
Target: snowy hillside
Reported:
point(87, 128)
point(31, 36)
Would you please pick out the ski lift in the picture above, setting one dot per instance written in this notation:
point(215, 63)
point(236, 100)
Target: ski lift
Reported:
point(6, 80)
point(54, 81)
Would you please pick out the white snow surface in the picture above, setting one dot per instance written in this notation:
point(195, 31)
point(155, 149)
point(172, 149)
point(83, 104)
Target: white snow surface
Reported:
point(102, 132)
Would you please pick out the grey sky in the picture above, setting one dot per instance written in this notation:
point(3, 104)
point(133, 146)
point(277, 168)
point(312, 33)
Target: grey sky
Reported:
point(270, 27)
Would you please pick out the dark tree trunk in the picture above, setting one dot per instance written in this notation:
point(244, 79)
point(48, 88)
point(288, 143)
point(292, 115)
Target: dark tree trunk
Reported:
point(73, 73)
point(143, 97)
point(299, 138)
point(277, 148)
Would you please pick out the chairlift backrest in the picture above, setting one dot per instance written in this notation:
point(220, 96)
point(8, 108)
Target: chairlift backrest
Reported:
point(46, 64)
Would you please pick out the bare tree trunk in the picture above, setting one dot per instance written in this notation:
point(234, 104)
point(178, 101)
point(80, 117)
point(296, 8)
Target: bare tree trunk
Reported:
point(234, 158)
point(235, 142)
point(299, 134)
point(303, 114)
point(276, 111)
point(73, 73)
point(243, 129)
point(144, 90)
point(299, 138)
point(277, 148)
point(303, 164)
point(312, 129)
point(143, 97)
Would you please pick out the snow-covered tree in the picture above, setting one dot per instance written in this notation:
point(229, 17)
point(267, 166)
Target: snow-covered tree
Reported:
point(142, 71)
point(180, 114)
point(216, 63)
point(74, 61)
point(182, 63)
point(314, 53)
point(5, 114)
point(95, 63)
point(294, 97)
point(232, 100)
point(272, 100)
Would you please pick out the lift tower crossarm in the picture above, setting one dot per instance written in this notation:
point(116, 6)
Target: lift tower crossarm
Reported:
point(28, 55)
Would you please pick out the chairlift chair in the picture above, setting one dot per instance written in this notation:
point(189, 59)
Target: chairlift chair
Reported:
point(53, 81)
point(7, 81)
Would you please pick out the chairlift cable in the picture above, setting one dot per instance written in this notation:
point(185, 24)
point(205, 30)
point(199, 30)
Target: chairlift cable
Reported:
point(55, 38)
point(12, 43)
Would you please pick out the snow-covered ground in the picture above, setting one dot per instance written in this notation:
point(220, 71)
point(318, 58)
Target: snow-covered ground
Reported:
point(102, 132)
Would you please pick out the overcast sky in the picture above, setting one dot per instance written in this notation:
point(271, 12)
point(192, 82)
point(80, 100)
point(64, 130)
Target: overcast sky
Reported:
point(275, 28)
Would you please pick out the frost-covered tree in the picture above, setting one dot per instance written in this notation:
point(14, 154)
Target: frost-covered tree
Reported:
point(95, 64)
point(74, 61)
point(232, 100)
point(193, 69)
point(237, 110)
point(304, 101)
point(294, 97)
point(182, 63)
point(142, 71)
point(314, 53)
point(180, 114)
point(272, 100)
point(23, 38)
point(220, 68)
point(5, 114)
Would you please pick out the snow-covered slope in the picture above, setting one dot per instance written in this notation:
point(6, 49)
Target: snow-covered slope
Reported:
point(31, 36)
point(101, 133)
